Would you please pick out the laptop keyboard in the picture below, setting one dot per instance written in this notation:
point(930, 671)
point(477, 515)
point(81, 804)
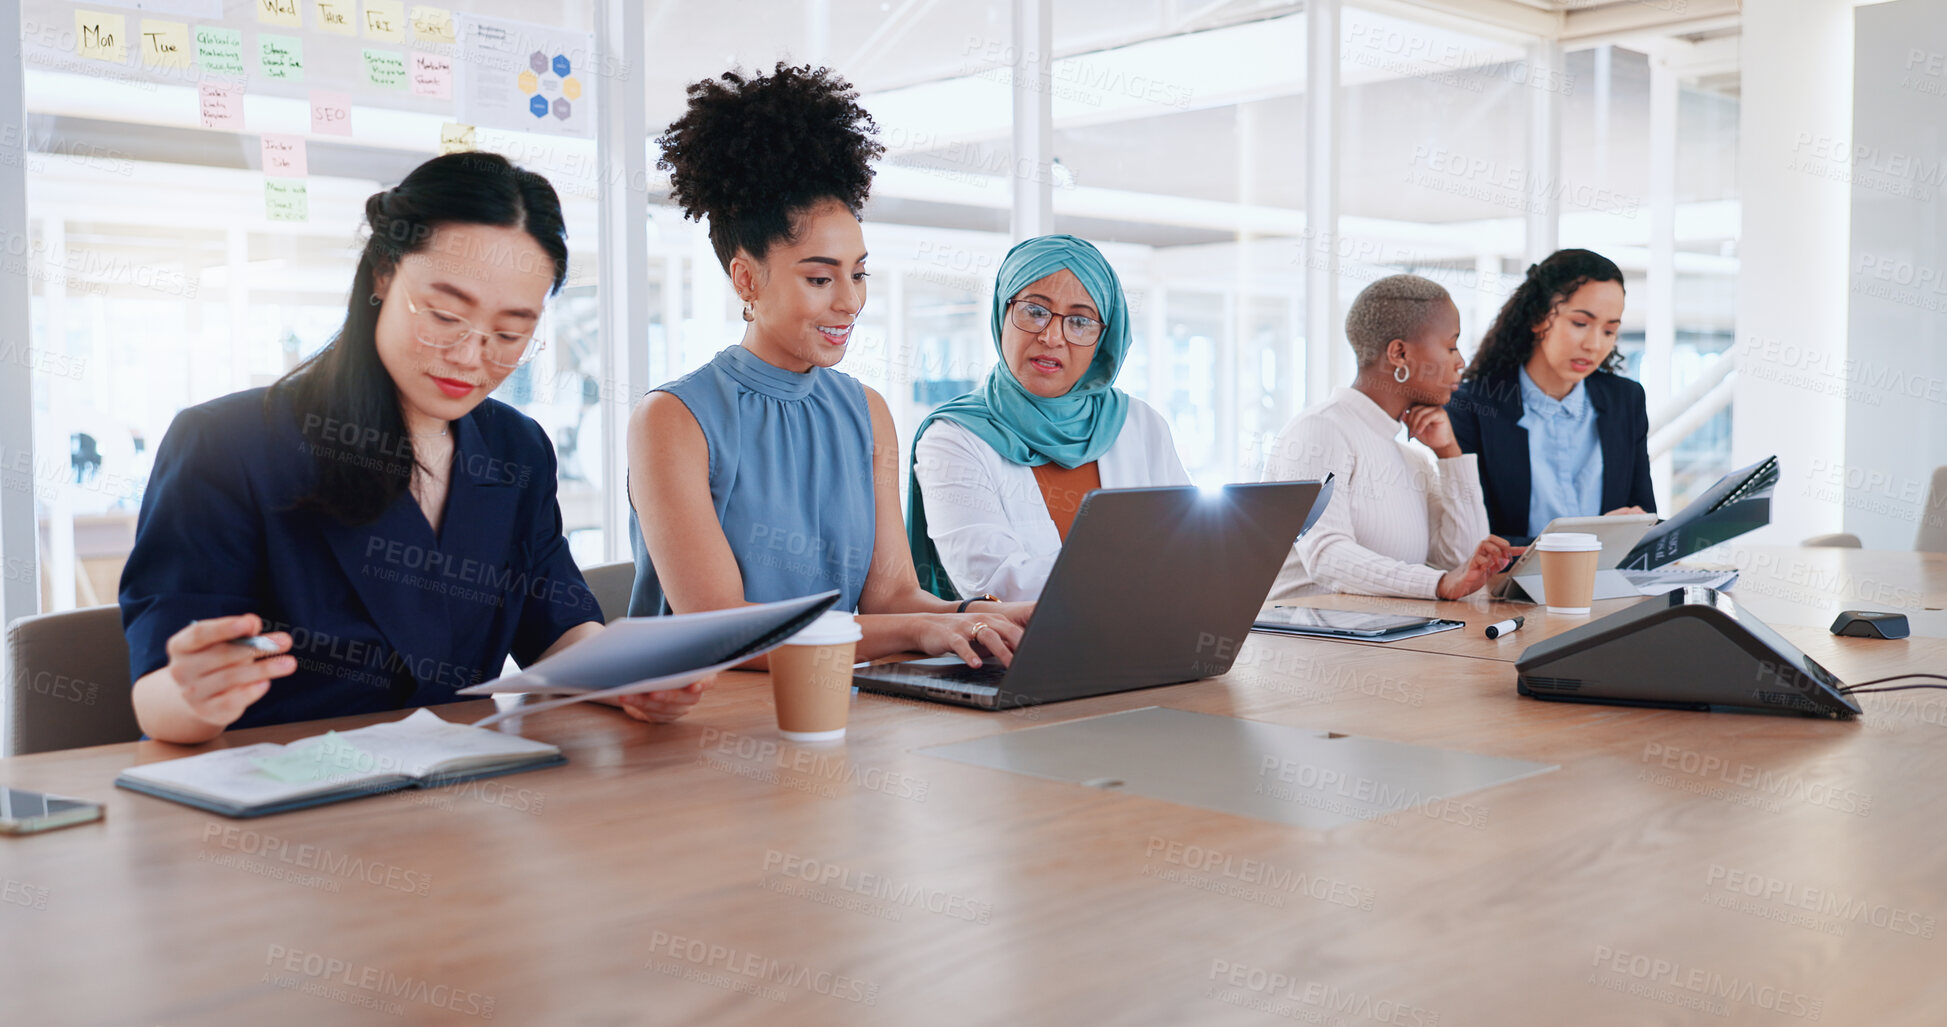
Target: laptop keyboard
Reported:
point(982, 680)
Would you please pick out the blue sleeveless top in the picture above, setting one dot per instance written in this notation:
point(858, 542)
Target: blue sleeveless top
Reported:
point(790, 475)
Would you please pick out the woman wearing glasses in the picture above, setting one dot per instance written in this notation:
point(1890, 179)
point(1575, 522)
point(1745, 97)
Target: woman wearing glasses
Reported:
point(767, 473)
point(999, 473)
point(389, 529)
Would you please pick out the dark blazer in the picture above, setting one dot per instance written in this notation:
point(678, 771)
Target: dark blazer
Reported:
point(382, 616)
point(1485, 413)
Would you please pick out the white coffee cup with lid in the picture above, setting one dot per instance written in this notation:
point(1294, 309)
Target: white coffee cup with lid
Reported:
point(811, 678)
point(1568, 565)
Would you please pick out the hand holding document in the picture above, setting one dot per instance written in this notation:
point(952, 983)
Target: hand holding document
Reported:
point(655, 654)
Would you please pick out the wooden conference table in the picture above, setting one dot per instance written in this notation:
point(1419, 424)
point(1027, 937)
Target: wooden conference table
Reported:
point(1677, 868)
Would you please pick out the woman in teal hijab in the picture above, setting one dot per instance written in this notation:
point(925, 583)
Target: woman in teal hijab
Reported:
point(999, 473)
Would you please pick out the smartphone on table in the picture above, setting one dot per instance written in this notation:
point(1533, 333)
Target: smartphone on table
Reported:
point(25, 812)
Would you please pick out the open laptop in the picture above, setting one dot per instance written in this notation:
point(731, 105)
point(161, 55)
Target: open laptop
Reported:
point(1153, 587)
point(1618, 535)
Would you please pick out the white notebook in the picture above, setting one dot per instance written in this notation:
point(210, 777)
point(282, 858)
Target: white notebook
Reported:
point(418, 751)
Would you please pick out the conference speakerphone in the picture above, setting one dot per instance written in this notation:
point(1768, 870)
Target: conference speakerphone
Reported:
point(1692, 649)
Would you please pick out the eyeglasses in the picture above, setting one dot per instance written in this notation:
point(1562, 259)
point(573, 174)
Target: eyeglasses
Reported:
point(1033, 318)
point(443, 329)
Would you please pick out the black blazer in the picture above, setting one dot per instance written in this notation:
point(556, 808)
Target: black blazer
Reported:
point(382, 616)
point(1485, 412)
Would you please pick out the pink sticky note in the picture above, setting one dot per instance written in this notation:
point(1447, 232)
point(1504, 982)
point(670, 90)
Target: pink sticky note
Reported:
point(331, 113)
point(432, 75)
point(284, 156)
point(221, 104)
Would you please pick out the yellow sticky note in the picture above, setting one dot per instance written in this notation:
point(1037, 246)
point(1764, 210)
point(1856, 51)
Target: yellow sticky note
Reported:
point(455, 138)
point(432, 25)
point(103, 37)
point(385, 20)
point(280, 12)
point(165, 44)
point(338, 17)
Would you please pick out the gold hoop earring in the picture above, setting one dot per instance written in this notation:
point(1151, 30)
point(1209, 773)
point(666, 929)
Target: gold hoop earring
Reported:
point(1400, 373)
point(747, 314)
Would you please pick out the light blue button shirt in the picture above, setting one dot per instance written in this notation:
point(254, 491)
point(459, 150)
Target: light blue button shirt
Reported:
point(1564, 455)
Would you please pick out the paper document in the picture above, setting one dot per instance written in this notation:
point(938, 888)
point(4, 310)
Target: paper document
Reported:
point(655, 654)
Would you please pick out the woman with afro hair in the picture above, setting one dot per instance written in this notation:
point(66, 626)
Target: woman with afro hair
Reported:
point(1559, 430)
point(766, 473)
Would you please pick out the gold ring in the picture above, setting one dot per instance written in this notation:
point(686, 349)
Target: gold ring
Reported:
point(977, 629)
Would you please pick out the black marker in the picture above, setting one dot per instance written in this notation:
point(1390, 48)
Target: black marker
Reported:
point(1506, 627)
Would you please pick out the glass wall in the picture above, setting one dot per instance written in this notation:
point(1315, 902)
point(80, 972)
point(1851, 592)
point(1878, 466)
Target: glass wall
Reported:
point(171, 266)
point(194, 220)
point(1189, 151)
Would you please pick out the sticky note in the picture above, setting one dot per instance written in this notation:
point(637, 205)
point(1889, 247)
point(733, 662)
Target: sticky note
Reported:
point(103, 37)
point(385, 69)
point(331, 113)
point(432, 25)
point(338, 17)
point(222, 105)
point(280, 58)
point(455, 138)
point(219, 51)
point(432, 75)
point(165, 44)
point(286, 199)
point(325, 758)
point(284, 156)
point(385, 20)
point(280, 12)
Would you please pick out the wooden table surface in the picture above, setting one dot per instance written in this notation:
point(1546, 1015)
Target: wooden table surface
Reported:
point(1677, 868)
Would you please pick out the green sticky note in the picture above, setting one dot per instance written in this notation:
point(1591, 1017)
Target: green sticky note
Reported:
point(280, 57)
point(320, 760)
point(219, 51)
point(286, 199)
point(385, 69)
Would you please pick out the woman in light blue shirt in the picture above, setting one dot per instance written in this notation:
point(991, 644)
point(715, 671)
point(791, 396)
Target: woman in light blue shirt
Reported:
point(767, 474)
point(1559, 430)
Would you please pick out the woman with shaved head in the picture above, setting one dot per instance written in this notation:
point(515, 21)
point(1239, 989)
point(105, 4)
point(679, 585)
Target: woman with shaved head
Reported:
point(1399, 523)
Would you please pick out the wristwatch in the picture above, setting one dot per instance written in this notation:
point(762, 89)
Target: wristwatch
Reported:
point(962, 608)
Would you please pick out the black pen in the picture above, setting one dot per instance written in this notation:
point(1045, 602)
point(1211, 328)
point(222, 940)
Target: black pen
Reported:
point(1505, 627)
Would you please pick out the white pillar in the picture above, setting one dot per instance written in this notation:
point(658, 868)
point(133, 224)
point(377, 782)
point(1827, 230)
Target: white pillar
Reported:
point(1544, 150)
point(19, 534)
point(902, 369)
point(621, 135)
point(1162, 355)
point(1604, 79)
point(1230, 390)
point(1034, 119)
point(236, 300)
point(710, 297)
point(817, 32)
point(672, 321)
point(1791, 282)
point(1487, 301)
point(1327, 358)
point(60, 507)
point(1659, 311)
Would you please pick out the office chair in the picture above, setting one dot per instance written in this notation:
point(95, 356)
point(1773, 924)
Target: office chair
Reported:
point(68, 684)
point(611, 583)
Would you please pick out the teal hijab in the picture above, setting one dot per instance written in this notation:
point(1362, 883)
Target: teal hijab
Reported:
point(1068, 430)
